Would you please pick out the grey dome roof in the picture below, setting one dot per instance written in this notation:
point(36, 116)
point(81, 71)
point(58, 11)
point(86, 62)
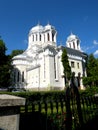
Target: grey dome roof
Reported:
point(72, 37)
point(48, 26)
point(36, 28)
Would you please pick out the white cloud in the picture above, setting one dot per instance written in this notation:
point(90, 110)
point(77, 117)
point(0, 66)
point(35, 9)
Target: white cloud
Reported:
point(95, 42)
point(87, 48)
point(96, 52)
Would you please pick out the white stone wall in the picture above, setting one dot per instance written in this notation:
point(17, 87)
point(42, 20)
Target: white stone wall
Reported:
point(76, 69)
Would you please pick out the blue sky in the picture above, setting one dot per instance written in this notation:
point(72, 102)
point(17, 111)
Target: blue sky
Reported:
point(80, 17)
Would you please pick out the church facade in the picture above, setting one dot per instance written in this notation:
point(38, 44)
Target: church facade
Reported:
point(39, 67)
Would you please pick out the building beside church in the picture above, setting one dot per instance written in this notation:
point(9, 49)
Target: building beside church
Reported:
point(40, 66)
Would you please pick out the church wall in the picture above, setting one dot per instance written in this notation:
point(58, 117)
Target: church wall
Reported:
point(20, 70)
point(56, 80)
point(44, 71)
point(77, 69)
point(33, 78)
point(76, 66)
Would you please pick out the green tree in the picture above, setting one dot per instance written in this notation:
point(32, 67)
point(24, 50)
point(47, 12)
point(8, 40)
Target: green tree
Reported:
point(2, 51)
point(5, 66)
point(67, 68)
point(16, 52)
point(92, 71)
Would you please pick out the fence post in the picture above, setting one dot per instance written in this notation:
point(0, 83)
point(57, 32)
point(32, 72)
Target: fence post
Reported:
point(73, 105)
point(68, 110)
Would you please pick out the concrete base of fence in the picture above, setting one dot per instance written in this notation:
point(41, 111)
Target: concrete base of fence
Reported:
point(9, 111)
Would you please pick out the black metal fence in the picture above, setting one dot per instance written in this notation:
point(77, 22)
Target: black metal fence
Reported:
point(68, 113)
point(71, 112)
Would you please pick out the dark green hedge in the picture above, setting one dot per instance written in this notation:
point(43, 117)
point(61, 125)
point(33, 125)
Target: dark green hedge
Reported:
point(54, 95)
point(40, 96)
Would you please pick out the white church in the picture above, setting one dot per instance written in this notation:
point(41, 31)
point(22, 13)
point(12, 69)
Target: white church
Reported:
point(40, 66)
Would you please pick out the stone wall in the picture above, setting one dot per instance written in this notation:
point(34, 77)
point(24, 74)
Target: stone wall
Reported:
point(9, 111)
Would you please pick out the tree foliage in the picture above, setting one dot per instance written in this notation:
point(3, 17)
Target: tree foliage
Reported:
point(16, 52)
point(65, 62)
point(92, 71)
point(2, 51)
point(5, 66)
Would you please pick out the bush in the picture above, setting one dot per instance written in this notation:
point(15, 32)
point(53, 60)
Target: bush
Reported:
point(39, 96)
point(90, 91)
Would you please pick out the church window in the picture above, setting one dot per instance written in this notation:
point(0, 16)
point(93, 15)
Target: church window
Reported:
point(18, 77)
point(44, 68)
point(73, 45)
point(40, 37)
point(72, 64)
point(52, 36)
point(14, 79)
point(36, 37)
point(54, 67)
point(48, 37)
point(70, 45)
point(78, 44)
point(33, 37)
point(78, 65)
point(23, 76)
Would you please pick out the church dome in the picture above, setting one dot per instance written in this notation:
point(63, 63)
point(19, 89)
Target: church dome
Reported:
point(36, 28)
point(48, 26)
point(72, 37)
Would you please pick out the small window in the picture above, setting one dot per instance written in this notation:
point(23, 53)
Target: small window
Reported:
point(48, 37)
point(36, 37)
point(70, 45)
point(78, 44)
point(52, 37)
point(40, 37)
point(72, 64)
point(78, 65)
point(44, 37)
point(14, 76)
point(18, 77)
point(23, 76)
point(73, 45)
point(33, 38)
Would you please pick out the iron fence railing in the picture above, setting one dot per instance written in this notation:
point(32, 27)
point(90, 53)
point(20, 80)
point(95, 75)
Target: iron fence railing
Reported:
point(60, 114)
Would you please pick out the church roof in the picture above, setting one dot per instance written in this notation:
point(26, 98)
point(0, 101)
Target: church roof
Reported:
point(40, 28)
point(72, 37)
point(48, 26)
point(75, 52)
point(36, 28)
point(22, 56)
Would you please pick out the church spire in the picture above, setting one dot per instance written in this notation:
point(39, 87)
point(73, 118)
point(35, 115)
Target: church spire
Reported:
point(38, 23)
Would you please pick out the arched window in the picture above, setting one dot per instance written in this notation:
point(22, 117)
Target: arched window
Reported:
point(33, 38)
point(18, 77)
point(40, 37)
point(70, 45)
point(23, 76)
point(52, 36)
point(54, 67)
point(44, 68)
point(77, 44)
point(73, 45)
point(48, 37)
point(36, 37)
point(14, 79)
